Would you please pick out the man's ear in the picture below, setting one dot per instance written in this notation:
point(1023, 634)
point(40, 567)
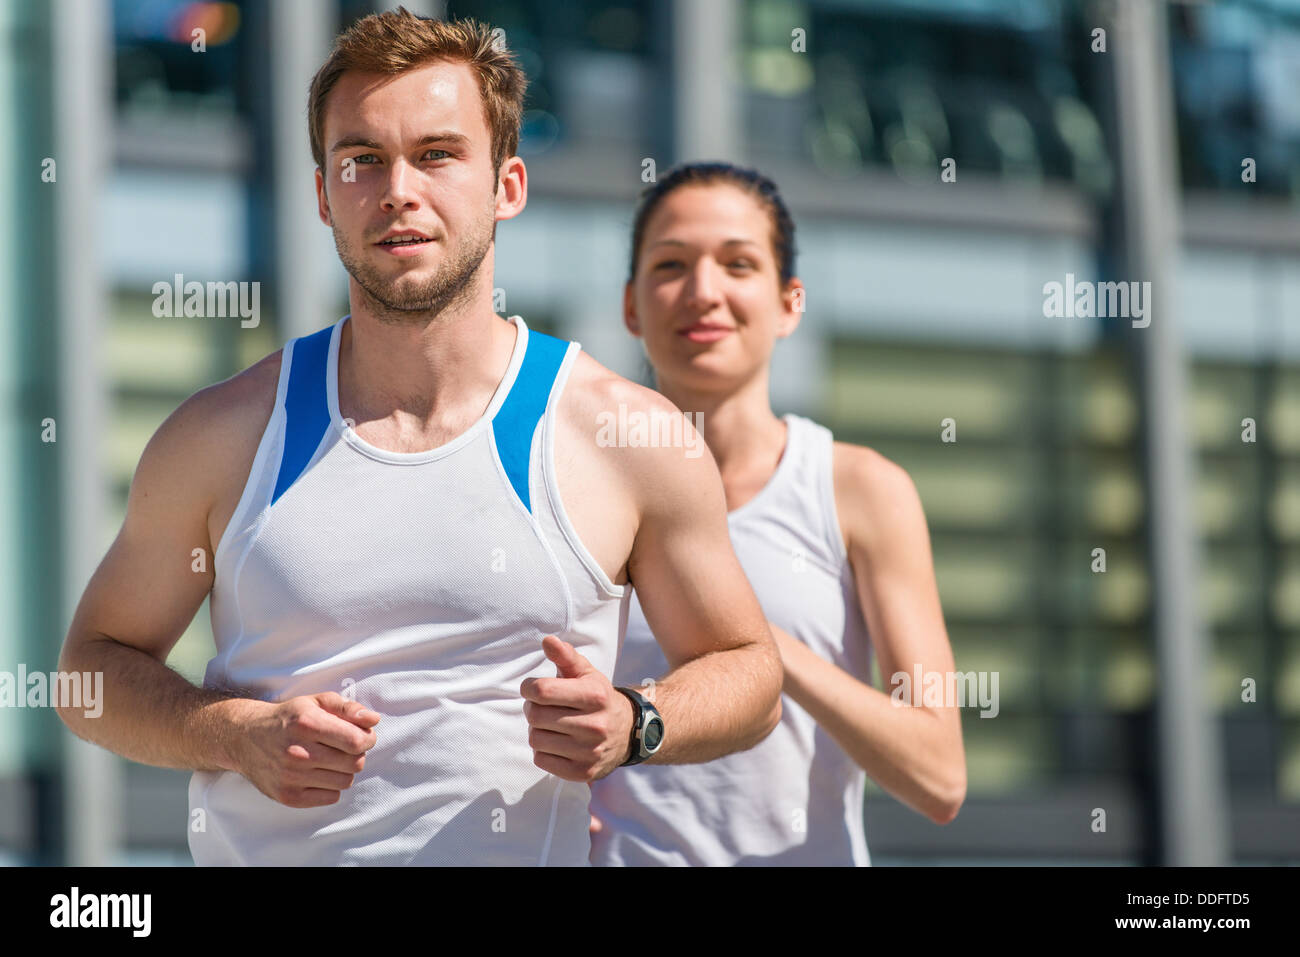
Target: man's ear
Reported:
point(630, 319)
point(322, 200)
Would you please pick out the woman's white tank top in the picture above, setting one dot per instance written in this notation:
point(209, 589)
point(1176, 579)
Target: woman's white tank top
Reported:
point(796, 797)
point(419, 584)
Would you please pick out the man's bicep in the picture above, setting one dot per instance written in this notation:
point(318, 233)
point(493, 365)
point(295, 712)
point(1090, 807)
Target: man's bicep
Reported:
point(691, 587)
point(156, 573)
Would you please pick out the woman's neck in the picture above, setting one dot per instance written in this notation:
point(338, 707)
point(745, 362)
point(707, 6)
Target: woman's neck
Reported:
point(742, 432)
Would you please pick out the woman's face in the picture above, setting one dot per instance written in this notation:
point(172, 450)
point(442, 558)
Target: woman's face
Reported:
point(707, 297)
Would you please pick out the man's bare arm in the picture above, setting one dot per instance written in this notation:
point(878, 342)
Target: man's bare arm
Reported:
point(723, 693)
point(657, 514)
point(146, 591)
point(139, 601)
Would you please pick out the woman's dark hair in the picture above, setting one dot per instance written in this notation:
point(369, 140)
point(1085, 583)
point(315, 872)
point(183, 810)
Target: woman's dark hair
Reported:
point(705, 174)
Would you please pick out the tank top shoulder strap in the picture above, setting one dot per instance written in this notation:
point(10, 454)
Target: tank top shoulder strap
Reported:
point(516, 421)
point(306, 405)
point(816, 479)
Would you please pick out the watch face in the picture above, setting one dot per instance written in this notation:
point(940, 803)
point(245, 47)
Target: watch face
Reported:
point(653, 734)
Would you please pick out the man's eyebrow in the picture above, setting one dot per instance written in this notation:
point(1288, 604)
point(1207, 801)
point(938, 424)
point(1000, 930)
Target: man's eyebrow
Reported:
point(442, 136)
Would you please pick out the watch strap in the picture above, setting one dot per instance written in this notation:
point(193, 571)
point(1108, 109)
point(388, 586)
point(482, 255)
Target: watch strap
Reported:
point(636, 750)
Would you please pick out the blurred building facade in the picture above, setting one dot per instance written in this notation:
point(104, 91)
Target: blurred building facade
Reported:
point(925, 303)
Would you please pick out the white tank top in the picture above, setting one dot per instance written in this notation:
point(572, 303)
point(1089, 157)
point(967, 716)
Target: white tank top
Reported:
point(420, 584)
point(796, 797)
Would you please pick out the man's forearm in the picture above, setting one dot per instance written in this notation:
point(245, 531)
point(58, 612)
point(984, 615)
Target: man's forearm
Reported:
point(150, 713)
point(719, 703)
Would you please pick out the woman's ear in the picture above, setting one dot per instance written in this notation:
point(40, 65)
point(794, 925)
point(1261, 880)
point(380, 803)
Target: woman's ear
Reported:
point(630, 319)
point(792, 307)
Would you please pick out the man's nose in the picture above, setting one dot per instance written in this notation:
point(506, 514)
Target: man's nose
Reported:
point(399, 189)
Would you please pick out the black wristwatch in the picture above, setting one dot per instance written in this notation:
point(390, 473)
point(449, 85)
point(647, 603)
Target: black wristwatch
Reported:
point(647, 727)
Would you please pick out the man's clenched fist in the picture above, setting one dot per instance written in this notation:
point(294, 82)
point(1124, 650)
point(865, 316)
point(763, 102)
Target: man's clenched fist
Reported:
point(579, 726)
point(303, 752)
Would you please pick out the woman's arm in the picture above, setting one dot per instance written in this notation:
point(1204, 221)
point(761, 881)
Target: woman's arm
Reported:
point(914, 753)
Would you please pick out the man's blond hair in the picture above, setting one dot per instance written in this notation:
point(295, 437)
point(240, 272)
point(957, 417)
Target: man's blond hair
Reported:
point(397, 42)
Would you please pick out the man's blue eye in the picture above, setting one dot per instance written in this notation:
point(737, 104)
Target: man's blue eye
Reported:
point(365, 158)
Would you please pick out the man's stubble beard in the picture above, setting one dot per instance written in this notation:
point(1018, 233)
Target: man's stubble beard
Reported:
point(451, 284)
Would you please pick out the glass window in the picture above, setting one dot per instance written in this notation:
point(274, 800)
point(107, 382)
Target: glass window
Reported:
point(1003, 88)
point(593, 73)
point(1236, 69)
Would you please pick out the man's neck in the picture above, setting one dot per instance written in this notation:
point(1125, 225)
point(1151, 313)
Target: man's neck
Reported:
point(422, 371)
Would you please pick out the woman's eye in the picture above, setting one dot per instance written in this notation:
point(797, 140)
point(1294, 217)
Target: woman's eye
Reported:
point(744, 263)
point(668, 262)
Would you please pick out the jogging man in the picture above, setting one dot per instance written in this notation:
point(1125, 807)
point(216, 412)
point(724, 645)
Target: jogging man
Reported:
point(392, 514)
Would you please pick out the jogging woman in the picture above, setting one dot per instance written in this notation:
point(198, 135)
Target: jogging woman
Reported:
point(832, 536)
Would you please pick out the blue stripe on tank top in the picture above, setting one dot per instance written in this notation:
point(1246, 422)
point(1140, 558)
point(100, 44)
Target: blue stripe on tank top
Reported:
point(306, 406)
point(517, 419)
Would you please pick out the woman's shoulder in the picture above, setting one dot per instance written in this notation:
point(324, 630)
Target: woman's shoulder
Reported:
point(862, 469)
point(874, 495)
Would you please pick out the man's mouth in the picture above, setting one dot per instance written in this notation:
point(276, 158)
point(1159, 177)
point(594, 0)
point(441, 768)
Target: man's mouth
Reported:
point(405, 244)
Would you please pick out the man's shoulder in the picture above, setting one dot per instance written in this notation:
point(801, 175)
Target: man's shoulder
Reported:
point(242, 403)
point(594, 393)
point(593, 388)
point(197, 459)
point(211, 432)
point(635, 433)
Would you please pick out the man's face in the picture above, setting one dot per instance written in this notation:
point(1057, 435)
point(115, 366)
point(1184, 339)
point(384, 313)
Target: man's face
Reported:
point(410, 153)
